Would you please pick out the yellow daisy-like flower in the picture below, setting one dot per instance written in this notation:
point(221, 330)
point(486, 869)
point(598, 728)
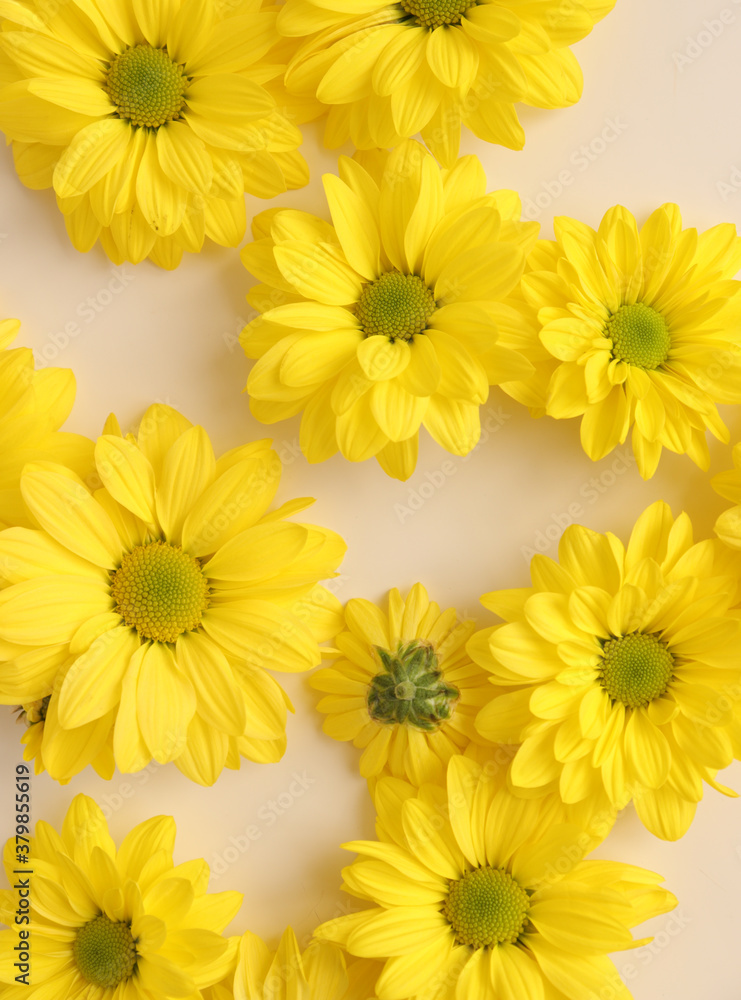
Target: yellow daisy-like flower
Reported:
point(392, 318)
point(113, 924)
point(475, 897)
point(33, 406)
point(319, 973)
point(646, 327)
point(389, 70)
point(154, 604)
point(404, 689)
point(625, 667)
point(149, 118)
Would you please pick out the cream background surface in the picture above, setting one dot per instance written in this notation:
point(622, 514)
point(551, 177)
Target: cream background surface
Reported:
point(663, 87)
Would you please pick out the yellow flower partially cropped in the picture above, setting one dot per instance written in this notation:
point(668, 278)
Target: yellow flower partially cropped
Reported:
point(33, 406)
point(644, 329)
point(149, 119)
point(476, 897)
point(87, 744)
point(154, 604)
point(624, 667)
point(386, 71)
point(394, 317)
point(728, 485)
point(320, 972)
point(113, 924)
point(404, 690)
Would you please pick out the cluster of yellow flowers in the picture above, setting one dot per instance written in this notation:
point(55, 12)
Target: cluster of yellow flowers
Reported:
point(151, 120)
point(147, 588)
point(137, 619)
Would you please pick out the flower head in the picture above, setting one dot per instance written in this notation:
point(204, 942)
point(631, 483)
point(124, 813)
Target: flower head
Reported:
point(475, 895)
point(404, 689)
point(149, 120)
point(33, 406)
point(116, 924)
point(643, 329)
point(623, 664)
point(392, 318)
point(154, 604)
point(386, 71)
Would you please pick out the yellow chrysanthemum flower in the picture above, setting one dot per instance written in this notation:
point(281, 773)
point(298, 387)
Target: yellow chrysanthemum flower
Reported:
point(392, 318)
point(154, 604)
point(404, 690)
point(389, 70)
point(113, 924)
point(149, 119)
point(319, 973)
point(33, 406)
point(625, 667)
point(646, 327)
point(475, 897)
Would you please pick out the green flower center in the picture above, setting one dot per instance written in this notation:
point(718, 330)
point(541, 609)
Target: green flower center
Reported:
point(434, 13)
point(160, 591)
point(636, 668)
point(486, 907)
point(639, 335)
point(411, 689)
point(146, 86)
point(396, 306)
point(105, 951)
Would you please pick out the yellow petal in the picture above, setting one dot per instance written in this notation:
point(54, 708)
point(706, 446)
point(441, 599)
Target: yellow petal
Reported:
point(83, 96)
point(262, 634)
point(400, 931)
point(398, 459)
point(184, 158)
point(187, 470)
point(576, 928)
point(205, 753)
point(27, 554)
point(63, 506)
point(358, 433)
point(259, 553)
point(397, 412)
point(92, 685)
point(319, 356)
point(127, 475)
point(580, 977)
point(454, 423)
point(318, 272)
point(214, 684)
point(514, 974)
point(94, 151)
point(432, 842)
point(356, 227)
point(414, 972)
point(50, 609)
point(165, 703)
point(452, 57)
point(161, 201)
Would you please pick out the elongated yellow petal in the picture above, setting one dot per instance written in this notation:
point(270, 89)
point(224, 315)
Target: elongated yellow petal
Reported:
point(63, 506)
point(165, 703)
point(92, 685)
point(127, 475)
